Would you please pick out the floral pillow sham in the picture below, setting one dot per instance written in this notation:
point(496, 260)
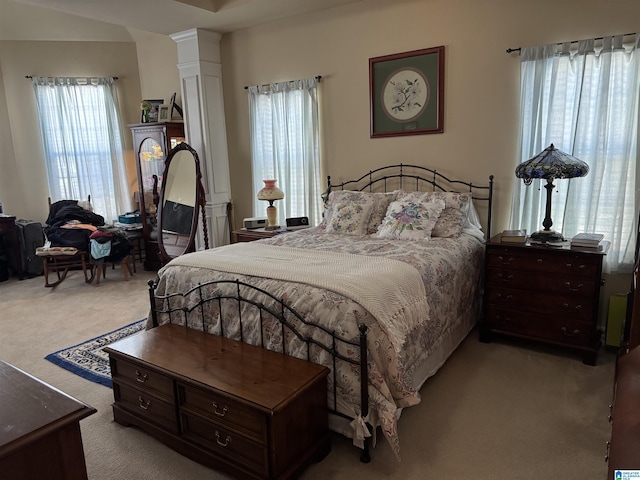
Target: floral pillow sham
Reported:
point(379, 201)
point(350, 218)
point(410, 220)
point(453, 218)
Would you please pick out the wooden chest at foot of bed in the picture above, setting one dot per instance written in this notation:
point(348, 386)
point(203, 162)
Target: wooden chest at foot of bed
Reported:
point(226, 404)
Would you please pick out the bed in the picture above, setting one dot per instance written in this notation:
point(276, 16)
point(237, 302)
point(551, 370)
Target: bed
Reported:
point(311, 293)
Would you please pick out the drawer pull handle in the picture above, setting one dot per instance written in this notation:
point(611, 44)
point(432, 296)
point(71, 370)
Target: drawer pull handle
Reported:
point(572, 334)
point(577, 307)
point(539, 260)
point(507, 298)
point(606, 455)
point(218, 412)
point(574, 289)
point(610, 417)
point(508, 278)
point(226, 442)
point(144, 404)
point(141, 377)
point(505, 261)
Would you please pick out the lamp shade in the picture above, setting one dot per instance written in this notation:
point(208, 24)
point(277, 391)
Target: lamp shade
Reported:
point(270, 192)
point(549, 164)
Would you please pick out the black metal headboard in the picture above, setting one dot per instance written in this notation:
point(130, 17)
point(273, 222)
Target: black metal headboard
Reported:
point(415, 177)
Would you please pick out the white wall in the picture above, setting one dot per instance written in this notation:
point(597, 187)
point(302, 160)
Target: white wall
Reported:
point(481, 80)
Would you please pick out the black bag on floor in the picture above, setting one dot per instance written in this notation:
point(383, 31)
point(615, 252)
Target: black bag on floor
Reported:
point(31, 237)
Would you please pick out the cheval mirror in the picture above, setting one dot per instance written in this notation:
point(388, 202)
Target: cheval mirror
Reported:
point(181, 204)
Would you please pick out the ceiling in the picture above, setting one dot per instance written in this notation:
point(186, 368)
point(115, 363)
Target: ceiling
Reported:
point(116, 19)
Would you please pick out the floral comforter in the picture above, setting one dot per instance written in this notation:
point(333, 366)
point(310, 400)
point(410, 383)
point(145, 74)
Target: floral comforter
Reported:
point(450, 268)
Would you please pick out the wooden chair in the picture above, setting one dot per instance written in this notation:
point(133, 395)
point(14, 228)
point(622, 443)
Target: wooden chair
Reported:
point(60, 260)
point(126, 265)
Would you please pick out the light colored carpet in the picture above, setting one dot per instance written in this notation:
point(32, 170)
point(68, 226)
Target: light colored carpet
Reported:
point(494, 411)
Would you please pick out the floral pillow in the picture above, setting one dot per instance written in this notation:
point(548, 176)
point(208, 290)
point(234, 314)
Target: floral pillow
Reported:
point(410, 220)
point(380, 203)
point(349, 218)
point(453, 218)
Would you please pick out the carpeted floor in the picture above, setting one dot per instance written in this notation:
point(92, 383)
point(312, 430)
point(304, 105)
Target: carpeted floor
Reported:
point(494, 411)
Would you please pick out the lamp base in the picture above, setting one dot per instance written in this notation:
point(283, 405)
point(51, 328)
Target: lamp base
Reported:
point(272, 227)
point(546, 236)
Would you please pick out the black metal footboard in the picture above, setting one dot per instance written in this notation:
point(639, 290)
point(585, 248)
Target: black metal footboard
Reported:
point(235, 309)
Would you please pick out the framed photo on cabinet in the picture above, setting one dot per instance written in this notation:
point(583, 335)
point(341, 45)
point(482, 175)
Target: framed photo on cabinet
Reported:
point(407, 93)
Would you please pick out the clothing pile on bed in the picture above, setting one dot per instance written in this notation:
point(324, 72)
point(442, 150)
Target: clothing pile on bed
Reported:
point(73, 224)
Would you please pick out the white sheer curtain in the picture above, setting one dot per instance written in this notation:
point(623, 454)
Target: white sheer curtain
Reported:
point(584, 99)
point(82, 141)
point(285, 147)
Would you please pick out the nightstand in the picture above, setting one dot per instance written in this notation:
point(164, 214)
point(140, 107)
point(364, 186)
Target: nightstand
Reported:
point(246, 235)
point(544, 293)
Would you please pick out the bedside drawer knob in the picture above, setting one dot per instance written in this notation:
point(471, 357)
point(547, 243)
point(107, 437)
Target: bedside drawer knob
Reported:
point(508, 278)
point(226, 442)
point(141, 377)
point(572, 334)
point(218, 412)
point(574, 289)
point(144, 404)
point(505, 261)
point(577, 307)
point(506, 298)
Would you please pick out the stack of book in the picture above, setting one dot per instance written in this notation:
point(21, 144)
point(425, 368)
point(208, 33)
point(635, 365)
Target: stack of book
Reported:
point(514, 236)
point(588, 240)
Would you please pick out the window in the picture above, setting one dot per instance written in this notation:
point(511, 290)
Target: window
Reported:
point(80, 128)
point(584, 100)
point(285, 147)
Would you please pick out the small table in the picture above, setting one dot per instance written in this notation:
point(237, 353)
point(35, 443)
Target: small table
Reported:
point(250, 235)
point(40, 434)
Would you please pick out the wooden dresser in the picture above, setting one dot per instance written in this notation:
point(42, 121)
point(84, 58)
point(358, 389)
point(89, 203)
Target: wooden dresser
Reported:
point(623, 450)
point(39, 429)
point(548, 294)
point(226, 404)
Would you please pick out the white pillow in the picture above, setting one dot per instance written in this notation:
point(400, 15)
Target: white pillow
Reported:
point(410, 220)
point(349, 218)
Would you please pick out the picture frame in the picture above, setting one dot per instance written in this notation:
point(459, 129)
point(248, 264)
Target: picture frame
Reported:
point(163, 113)
point(174, 106)
point(406, 93)
point(153, 113)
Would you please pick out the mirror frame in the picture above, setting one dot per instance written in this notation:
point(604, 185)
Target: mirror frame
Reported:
point(198, 209)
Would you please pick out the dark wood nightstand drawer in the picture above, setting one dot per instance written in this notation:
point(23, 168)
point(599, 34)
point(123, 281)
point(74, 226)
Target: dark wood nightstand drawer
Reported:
point(550, 263)
point(542, 282)
point(575, 307)
point(554, 329)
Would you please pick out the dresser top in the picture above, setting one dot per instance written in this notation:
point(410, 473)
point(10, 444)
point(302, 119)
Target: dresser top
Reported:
point(561, 247)
point(30, 408)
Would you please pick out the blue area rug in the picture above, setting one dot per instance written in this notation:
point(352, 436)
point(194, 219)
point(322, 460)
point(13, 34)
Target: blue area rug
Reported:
point(88, 359)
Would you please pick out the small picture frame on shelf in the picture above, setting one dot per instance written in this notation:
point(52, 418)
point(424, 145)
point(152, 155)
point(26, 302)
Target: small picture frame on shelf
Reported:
point(163, 113)
point(153, 113)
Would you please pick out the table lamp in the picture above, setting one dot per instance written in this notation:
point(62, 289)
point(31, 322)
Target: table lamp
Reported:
point(550, 164)
point(271, 193)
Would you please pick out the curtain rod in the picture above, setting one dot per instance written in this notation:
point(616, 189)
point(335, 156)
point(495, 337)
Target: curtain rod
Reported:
point(317, 77)
point(510, 50)
point(91, 76)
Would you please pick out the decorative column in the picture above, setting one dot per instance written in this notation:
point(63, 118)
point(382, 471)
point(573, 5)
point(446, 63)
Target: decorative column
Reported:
point(205, 129)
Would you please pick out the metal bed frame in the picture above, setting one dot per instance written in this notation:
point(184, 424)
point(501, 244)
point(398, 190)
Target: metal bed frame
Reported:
point(267, 306)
